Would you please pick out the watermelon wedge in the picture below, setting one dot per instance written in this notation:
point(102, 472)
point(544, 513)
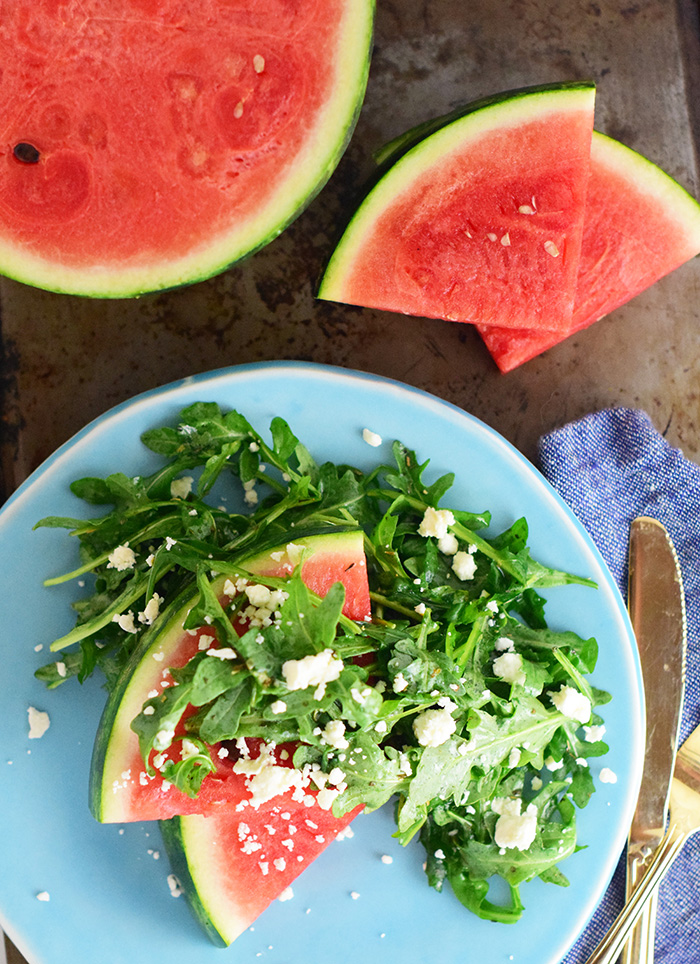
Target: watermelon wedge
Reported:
point(232, 865)
point(640, 225)
point(151, 143)
point(479, 221)
point(120, 788)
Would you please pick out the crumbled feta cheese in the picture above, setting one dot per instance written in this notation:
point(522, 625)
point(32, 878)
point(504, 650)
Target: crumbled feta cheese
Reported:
point(43, 895)
point(503, 645)
point(151, 610)
point(61, 668)
point(509, 667)
point(225, 652)
point(448, 544)
point(371, 438)
point(326, 797)
point(39, 723)
point(400, 683)
point(334, 735)
point(174, 885)
point(536, 784)
point(608, 776)
point(286, 894)
point(572, 704)
point(315, 670)
point(434, 727)
point(125, 621)
point(386, 859)
point(463, 565)
point(279, 706)
point(181, 488)
point(122, 558)
point(435, 523)
point(514, 830)
point(264, 779)
point(420, 609)
point(514, 757)
point(592, 734)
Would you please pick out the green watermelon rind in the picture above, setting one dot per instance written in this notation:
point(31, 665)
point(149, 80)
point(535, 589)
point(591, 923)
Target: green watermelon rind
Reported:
point(180, 855)
point(309, 176)
point(129, 694)
point(413, 153)
point(390, 152)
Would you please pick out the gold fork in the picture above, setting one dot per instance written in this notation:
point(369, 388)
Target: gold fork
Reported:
point(684, 820)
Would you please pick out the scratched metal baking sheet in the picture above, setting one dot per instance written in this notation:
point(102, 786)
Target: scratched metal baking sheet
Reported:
point(67, 360)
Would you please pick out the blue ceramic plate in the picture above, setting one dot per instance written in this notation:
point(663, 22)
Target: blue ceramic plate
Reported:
point(109, 900)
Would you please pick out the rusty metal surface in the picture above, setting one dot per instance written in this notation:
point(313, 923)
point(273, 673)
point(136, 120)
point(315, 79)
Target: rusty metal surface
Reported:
point(66, 360)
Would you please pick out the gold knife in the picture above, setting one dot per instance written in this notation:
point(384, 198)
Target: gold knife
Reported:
point(657, 611)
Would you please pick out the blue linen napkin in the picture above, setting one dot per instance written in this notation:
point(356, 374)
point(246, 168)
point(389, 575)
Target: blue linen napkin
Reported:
point(611, 467)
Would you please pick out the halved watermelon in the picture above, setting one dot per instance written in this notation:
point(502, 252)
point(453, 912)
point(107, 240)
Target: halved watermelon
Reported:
point(232, 865)
point(640, 225)
point(151, 143)
point(481, 220)
point(120, 788)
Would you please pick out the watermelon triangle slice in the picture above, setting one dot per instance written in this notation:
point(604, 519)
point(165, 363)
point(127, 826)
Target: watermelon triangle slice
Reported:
point(233, 864)
point(640, 225)
point(479, 221)
point(121, 790)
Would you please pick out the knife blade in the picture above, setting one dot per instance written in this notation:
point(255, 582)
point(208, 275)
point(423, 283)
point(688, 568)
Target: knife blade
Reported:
point(657, 611)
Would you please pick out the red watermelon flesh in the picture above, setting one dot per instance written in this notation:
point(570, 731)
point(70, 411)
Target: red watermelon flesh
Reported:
point(639, 226)
point(120, 788)
point(233, 864)
point(169, 138)
point(481, 221)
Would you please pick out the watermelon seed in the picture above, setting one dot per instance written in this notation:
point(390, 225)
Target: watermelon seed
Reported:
point(551, 248)
point(258, 63)
point(505, 240)
point(26, 153)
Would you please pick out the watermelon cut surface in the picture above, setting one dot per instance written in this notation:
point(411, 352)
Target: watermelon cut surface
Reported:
point(120, 788)
point(232, 865)
point(151, 143)
point(479, 221)
point(640, 225)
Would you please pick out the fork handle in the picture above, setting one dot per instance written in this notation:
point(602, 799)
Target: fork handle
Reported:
point(611, 945)
point(639, 948)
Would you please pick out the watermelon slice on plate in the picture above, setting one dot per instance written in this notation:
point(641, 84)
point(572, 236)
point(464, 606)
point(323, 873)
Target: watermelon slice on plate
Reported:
point(481, 219)
point(121, 789)
point(151, 143)
point(233, 864)
point(640, 225)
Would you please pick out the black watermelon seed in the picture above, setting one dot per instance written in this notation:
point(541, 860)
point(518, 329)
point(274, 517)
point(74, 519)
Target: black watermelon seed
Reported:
point(26, 153)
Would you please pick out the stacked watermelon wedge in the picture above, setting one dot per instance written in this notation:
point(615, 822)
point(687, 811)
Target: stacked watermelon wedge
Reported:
point(234, 847)
point(514, 215)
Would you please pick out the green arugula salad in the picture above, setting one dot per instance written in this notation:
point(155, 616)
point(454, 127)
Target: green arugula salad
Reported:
point(452, 702)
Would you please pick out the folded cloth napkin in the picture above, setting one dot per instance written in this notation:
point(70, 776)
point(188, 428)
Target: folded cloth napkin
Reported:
point(611, 467)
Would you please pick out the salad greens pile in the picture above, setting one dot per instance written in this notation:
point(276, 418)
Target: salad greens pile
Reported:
point(455, 699)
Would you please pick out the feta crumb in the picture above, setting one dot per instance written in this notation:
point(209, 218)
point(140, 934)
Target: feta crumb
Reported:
point(279, 706)
point(286, 894)
point(448, 544)
point(334, 735)
point(61, 668)
point(608, 776)
point(39, 723)
point(514, 830)
point(326, 797)
point(572, 704)
point(181, 488)
point(400, 683)
point(371, 438)
point(151, 610)
point(386, 859)
point(174, 885)
point(463, 565)
point(592, 734)
point(536, 784)
point(122, 558)
point(434, 727)
point(503, 644)
point(125, 621)
point(509, 668)
point(435, 523)
point(225, 652)
point(316, 670)
point(354, 894)
point(420, 609)
point(43, 895)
